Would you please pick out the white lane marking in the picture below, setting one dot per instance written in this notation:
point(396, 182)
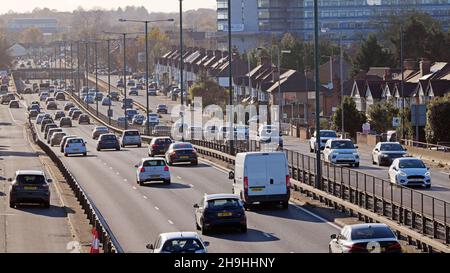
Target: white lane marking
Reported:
point(125, 180)
point(118, 173)
point(170, 222)
point(179, 177)
point(7, 214)
point(145, 197)
point(445, 173)
point(12, 117)
point(190, 185)
point(267, 235)
point(110, 168)
point(156, 208)
point(104, 163)
point(316, 216)
point(134, 188)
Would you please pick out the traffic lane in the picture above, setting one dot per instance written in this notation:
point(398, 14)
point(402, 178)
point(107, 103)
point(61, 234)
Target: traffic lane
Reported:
point(439, 180)
point(188, 187)
point(29, 228)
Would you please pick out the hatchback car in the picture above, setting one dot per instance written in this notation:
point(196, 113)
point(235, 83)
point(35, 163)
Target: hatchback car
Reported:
point(385, 152)
point(71, 110)
point(50, 133)
point(29, 187)
point(43, 96)
point(44, 123)
point(108, 141)
point(122, 121)
point(63, 142)
point(14, 104)
point(115, 96)
point(84, 119)
point(7, 98)
point(75, 145)
point(41, 117)
point(341, 151)
point(99, 130)
point(59, 114)
point(106, 101)
point(68, 105)
point(48, 127)
point(131, 138)
point(76, 114)
point(220, 210)
point(130, 113)
point(65, 122)
point(33, 113)
point(153, 119)
point(365, 238)
point(182, 152)
point(51, 105)
point(409, 171)
point(56, 138)
point(138, 120)
point(133, 91)
point(60, 96)
point(36, 107)
point(178, 242)
point(152, 169)
point(159, 146)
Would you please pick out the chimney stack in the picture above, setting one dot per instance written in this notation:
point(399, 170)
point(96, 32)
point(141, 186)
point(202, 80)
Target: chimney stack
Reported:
point(425, 66)
point(409, 64)
point(265, 61)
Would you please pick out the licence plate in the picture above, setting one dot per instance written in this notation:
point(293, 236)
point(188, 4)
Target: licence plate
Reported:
point(224, 214)
point(76, 150)
point(30, 188)
point(155, 176)
point(184, 157)
point(257, 189)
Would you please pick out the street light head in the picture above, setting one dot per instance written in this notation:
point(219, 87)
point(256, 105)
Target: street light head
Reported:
point(122, 20)
point(170, 20)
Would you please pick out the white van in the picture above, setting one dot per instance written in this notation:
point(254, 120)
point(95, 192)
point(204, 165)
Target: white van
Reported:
point(261, 177)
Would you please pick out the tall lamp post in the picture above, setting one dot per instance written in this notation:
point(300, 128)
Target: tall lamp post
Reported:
point(146, 22)
point(281, 112)
point(318, 180)
point(230, 78)
point(124, 35)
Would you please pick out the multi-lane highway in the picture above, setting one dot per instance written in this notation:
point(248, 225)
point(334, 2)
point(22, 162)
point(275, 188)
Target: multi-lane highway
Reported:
point(137, 214)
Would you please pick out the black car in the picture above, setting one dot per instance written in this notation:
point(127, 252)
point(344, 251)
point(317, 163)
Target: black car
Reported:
point(65, 121)
point(68, 105)
point(76, 114)
point(48, 127)
point(182, 152)
point(58, 115)
point(30, 187)
point(114, 96)
point(108, 141)
point(159, 146)
point(84, 119)
point(220, 210)
point(33, 113)
point(44, 122)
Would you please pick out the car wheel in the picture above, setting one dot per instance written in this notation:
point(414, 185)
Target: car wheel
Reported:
point(140, 145)
point(197, 226)
point(204, 230)
point(167, 182)
point(373, 161)
point(65, 154)
point(118, 149)
point(356, 165)
point(84, 154)
point(329, 249)
point(98, 149)
point(12, 204)
point(311, 150)
point(243, 228)
point(46, 205)
point(141, 183)
point(285, 204)
point(169, 163)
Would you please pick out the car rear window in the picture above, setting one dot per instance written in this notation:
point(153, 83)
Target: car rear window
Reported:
point(132, 133)
point(328, 134)
point(371, 233)
point(391, 147)
point(182, 246)
point(30, 179)
point(77, 140)
point(109, 137)
point(183, 146)
point(342, 145)
point(163, 141)
point(224, 203)
point(154, 163)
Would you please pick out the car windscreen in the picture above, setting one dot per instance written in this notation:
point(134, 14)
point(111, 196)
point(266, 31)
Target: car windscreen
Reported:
point(391, 147)
point(228, 203)
point(154, 163)
point(328, 134)
point(342, 145)
point(411, 164)
point(182, 246)
point(371, 233)
point(30, 179)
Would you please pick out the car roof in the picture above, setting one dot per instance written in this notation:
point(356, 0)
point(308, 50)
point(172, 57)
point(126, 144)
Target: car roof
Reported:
point(177, 235)
point(366, 225)
point(210, 197)
point(152, 158)
point(408, 158)
point(29, 172)
point(389, 142)
point(338, 139)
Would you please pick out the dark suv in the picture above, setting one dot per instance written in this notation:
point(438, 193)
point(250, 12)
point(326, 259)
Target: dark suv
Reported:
point(159, 146)
point(108, 141)
point(84, 119)
point(181, 152)
point(29, 187)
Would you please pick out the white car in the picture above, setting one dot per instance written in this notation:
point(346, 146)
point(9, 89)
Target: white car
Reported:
point(325, 135)
point(341, 151)
point(409, 171)
point(130, 138)
point(75, 145)
point(384, 153)
point(153, 118)
point(365, 238)
point(152, 169)
point(179, 242)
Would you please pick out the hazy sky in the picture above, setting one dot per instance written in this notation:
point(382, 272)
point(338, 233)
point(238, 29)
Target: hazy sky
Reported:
point(69, 5)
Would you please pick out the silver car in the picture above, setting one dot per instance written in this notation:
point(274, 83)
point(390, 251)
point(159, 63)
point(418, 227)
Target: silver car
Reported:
point(365, 238)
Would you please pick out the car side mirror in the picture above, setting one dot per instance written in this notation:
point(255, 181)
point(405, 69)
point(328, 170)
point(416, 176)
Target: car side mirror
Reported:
point(231, 175)
point(206, 244)
point(356, 146)
point(50, 180)
point(150, 246)
point(136, 166)
point(404, 149)
point(376, 150)
point(196, 206)
point(395, 168)
point(327, 147)
point(333, 236)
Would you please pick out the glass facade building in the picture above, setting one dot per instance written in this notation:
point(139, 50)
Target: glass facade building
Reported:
point(350, 18)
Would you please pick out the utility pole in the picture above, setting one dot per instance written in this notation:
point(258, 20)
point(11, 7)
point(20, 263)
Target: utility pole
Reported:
point(341, 75)
point(318, 182)
point(402, 83)
point(181, 70)
point(230, 81)
point(109, 79)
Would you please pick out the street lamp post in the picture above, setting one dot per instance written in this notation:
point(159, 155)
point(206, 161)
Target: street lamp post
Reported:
point(318, 180)
point(109, 79)
point(181, 69)
point(146, 22)
point(230, 79)
point(96, 76)
point(402, 82)
point(78, 69)
point(281, 112)
point(87, 68)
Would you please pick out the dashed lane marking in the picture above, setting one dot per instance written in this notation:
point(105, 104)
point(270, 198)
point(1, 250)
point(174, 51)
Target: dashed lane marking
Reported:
point(145, 197)
point(315, 216)
point(170, 222)
point(156, 208)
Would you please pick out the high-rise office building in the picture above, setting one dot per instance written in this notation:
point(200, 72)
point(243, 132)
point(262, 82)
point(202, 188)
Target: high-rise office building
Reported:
point(352, 19)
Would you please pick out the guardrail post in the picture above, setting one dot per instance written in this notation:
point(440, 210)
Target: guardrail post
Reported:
point(366, 196)
point(400, 209)
point(424, 221)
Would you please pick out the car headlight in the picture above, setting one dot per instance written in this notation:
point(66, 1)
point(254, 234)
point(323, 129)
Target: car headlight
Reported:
point(427, 173)
point(384, 155)
point(401, 173)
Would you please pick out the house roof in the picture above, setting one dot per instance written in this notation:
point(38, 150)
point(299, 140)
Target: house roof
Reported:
point(438, 88)
point(375, 87)
point(292, 81)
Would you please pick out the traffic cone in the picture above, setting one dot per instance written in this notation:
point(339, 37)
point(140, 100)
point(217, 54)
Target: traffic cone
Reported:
point(95, 242)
